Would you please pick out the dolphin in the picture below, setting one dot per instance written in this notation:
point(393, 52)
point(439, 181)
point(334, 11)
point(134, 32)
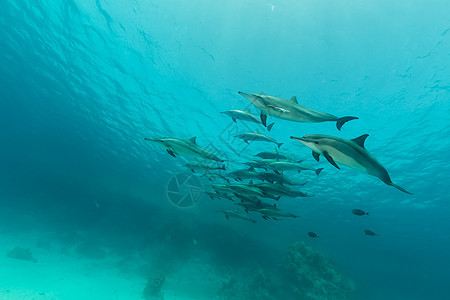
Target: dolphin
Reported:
point(274, 154)
point(273, 177)
point(245, 116)
point(246, 174)
point(350, 153)
point(259, 164)
point(256, 136)
point(274, 213)
point(291, 166)
point(235, 214)
point(188, 147)
point(291, 110)
point(214, 177)
point(247, 189)
point(198, 165)
point(279, 189)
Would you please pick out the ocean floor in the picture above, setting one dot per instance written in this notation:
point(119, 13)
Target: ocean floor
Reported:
point(60, 272)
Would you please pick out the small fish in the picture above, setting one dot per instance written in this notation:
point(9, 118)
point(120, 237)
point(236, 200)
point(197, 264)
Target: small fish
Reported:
point(370, 232)
point(359, 212)
point(313, 234)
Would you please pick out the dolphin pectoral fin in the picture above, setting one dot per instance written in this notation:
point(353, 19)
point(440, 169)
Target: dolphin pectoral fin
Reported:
point(234, 120)
point(192, 170)
point(330, 159)
point(343, 120)
point(401, 189)
point(227, 217)
point(170, 152)
point(269, 127)
point(277, 172)
point(263, 119)
point(279, 145)
point(318, 171)
point(316, 155)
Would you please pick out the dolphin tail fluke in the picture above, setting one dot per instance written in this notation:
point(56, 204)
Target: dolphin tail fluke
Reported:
point(279, 145)
point(401, 189)
point(318, 171)
point(343, 120)
point(269, 127)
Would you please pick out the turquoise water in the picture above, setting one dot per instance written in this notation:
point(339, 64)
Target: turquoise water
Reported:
point(82, 83)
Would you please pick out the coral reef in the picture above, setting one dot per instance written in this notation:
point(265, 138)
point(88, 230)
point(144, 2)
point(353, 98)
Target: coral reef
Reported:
point(153, 289)
point(311, 276)
point(22, 253)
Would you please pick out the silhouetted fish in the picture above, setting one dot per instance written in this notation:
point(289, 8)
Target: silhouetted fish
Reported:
point(359, 212)
point(313, 234)
point(370, 232)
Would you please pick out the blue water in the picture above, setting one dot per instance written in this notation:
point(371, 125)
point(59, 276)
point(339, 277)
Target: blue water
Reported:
point(82, 83)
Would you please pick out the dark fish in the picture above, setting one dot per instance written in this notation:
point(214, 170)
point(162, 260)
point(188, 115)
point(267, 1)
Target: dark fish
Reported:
point(359, 212)
point(313, 234)
point(370, 232)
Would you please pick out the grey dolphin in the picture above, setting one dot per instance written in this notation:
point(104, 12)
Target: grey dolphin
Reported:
point(274, 154)
point(279, 189)
point(292, 166)
point(291, 110)
point(350, 153)
point(256, 136)
point(274, 213)
point(235, 214)
point(199, 165)
point(245, 115)
point(188, 147)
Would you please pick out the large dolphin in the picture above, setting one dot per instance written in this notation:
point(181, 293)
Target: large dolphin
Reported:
point(184, 147)
point(350, 153)
point(291, 110)
point(245, 115)
point(279, 189)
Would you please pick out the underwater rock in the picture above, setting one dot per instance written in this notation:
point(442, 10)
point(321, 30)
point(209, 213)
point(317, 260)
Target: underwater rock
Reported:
point(22, 253)
point(153, 289)
point(262, 287)
point(310, 275)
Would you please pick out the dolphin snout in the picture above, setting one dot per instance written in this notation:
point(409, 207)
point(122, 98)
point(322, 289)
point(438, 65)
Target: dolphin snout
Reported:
point(299, 139)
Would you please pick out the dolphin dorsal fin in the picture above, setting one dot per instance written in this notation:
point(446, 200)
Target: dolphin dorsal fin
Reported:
point(294, 99)
point(192, 139)
point(360, 140)
point(251, 182)
point(251, 169)
point(262, 93)
point(275, 205)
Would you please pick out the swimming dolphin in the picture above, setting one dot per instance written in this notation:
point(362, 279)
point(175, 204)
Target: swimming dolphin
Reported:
point(274, 213)
point(256, 136)
point(184, 147)
point(291, 110)
point(274, 154)
point(291, 166)
point(198, 165)
point(245, 116)
point(350, 153)
point(235, 214)
point(279, 189)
